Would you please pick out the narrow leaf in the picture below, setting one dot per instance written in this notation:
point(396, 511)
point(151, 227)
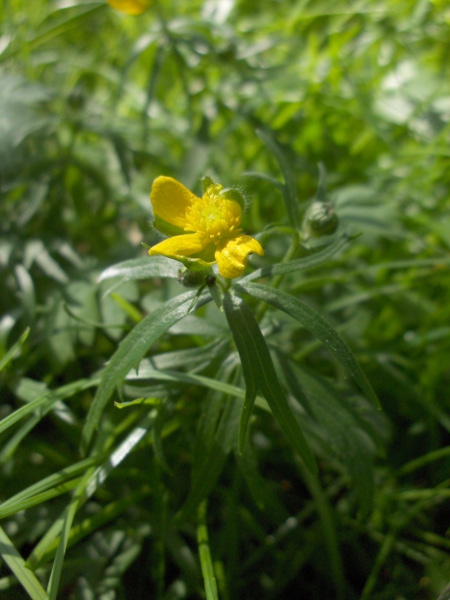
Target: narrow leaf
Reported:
point(129, 353)
point(237, 312)
point(343, 434)
point(289, 189)
point(94, 479)
point(14, 350)
point(15, 562)
point(142, 268)
point(66, 525)
point(314, 322)
point(260, 374)
point(205, 555)
point(43, 404)
point(209, 466)
point(299, 264)
point(147, 372)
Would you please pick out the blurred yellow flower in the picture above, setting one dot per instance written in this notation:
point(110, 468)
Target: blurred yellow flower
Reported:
point(131, 7)
point(203, 230)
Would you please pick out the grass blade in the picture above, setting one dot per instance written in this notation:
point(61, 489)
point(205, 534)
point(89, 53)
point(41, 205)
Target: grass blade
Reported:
point(15, 562)
point(205, 555)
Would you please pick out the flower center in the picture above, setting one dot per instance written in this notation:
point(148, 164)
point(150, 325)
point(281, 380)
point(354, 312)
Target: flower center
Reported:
point(215, 217)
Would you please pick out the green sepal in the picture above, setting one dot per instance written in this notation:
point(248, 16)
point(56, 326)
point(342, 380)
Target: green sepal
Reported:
point(216, 189)
point(192, 277)
point(167, 228)
point(193, 264)
point(233, 194)
point(206, 183)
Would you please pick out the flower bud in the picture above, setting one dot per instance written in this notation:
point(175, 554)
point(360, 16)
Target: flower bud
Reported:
point(188, 278)
point(320, 219)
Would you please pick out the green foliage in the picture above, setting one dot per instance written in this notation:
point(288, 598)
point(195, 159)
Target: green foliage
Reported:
point(155, 443)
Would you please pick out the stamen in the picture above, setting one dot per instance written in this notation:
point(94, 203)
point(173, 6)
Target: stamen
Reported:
point(214, 217)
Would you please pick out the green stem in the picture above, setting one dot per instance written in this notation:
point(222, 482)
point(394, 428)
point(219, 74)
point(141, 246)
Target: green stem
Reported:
point(205, 554)
point(290, 254)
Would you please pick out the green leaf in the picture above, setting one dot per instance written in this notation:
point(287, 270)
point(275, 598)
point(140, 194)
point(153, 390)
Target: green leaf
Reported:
point(142, 268)
point(342, 432)
point(130, 351)
point(236, 312)
point(89, 484)
point(14, 350)
point(49, 487)
point(44, 403)
point(147, 372)
point(66, 524)
point(314, 322)
point(26, 291)
point(167, 228)
point(205, 555)
point(94, 522)
point(209, 464)
point(300, 264)
point(188, 358)
point(35, 251)
point(289, 189)
point(15, 562)
point(259, 374)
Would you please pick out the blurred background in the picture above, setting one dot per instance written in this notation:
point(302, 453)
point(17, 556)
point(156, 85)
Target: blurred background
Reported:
point(94, 105)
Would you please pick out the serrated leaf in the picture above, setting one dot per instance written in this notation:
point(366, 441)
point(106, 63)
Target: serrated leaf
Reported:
point(130, 352)
point(314, 322)
point(259, 374)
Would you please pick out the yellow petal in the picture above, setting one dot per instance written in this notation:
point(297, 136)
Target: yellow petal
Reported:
point(232, 255)
point(171, 200)
point(131, 7)
point(179, 245)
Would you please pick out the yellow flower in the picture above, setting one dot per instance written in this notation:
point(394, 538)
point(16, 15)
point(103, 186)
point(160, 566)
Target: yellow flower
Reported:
point(203, 230)
point(131, 7)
